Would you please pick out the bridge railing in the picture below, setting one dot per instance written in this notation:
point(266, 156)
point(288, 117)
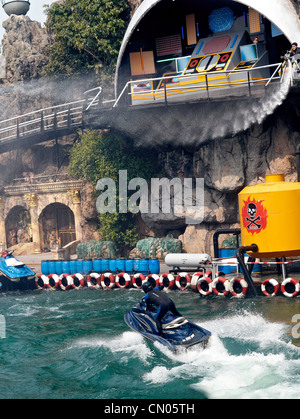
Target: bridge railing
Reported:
point(203, 83)
point(54, 118)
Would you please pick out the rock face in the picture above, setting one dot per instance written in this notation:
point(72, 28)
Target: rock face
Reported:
point(25, 45)
point(226, 163)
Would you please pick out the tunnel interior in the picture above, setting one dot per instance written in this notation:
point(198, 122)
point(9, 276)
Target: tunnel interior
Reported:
point(170, 32)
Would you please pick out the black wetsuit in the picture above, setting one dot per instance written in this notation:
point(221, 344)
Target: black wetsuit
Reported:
point(164, 304)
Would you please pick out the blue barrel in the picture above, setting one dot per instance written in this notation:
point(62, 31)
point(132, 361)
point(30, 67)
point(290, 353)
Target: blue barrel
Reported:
point(227, 253)
point(144, 266)
point(87, 266)
point(136, 265)
point(120, 265)
point(51, 267)
point(73, 267)
point(129, 265)
point(79, 266)
point(66, 267)
point(104, 265)
point(98, 265)
point(58, 267)
point(154, 266)
point(112, 265)
point(45, 267)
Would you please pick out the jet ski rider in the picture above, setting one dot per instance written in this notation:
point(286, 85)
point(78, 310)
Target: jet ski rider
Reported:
point(154, 296)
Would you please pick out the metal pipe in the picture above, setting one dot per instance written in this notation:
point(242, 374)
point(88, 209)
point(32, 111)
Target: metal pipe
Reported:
point(240, 254)
point(298, 161)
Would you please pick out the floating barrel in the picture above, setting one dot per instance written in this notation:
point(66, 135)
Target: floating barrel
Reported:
point(51, 267)
point(144, 267)
point(104, 265)
point(129, 264)
point(112, 266)
point(87, 267)
point(97, 265)
point(269, 215)
point(154, 266)
point(73, 267)
point(66, 267)
point(45, 267)
point(120, 265)
point(79, 266)
point(136, 265)
point(59, 267)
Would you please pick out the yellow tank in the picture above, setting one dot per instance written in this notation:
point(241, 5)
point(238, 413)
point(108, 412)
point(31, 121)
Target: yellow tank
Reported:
point(270, 217)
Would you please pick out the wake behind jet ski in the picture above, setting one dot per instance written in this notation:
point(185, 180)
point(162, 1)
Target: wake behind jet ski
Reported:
point(171, 330)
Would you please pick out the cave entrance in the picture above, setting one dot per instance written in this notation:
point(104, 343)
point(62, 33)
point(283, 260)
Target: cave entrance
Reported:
point(58, 226)
point(18, 226)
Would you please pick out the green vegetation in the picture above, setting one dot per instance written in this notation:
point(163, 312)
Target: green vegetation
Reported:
point(102, 154)
point(87, 35)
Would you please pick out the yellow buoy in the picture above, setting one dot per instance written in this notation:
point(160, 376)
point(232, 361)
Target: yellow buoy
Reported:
point(270, 217)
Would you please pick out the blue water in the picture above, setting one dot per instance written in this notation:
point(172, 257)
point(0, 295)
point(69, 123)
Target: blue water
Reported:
point(75, 344)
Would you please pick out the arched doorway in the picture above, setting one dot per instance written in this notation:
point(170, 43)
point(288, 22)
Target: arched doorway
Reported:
point(57, 225)
point(18, 226)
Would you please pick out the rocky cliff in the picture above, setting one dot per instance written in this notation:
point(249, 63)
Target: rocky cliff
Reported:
point(227, 163)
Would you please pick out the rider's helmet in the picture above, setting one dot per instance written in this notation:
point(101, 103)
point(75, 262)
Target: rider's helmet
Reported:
point(147, 286)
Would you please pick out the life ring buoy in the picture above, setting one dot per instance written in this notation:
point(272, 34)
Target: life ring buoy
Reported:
point(167, 280)
point(53, 281)
point(290, 287)
point(94, 281)
point(270, 287)
point(138, 280)
point(194, 281)
point(204, 285)
point(66, 282)
point(107, 281)
point(153, 279)
point(123, 280)
point(78, 281)
point(238, 287)
point(183, 281)
point(208, 274)
point(221, 286)
point(42, 282)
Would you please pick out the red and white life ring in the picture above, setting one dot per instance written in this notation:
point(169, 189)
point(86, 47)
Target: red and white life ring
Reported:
point(42, 282)
point(221, 286)
point(183, 281)
point(53, 281)
point(153, 279)
point(167, 280)
point(290, 287)
point(107, 281)
point(270, 287)
point(194, 281)
point(204, 285)
point(66, 282)
point(138, 280)
point(94, 281)
point(238, 287)
point(123, 280)
point(78, 281)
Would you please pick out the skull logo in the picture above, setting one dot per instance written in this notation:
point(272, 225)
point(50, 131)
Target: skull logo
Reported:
point(252, 210)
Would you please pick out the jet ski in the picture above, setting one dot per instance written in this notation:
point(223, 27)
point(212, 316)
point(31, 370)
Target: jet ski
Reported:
point(178, 332)
point(13, 273)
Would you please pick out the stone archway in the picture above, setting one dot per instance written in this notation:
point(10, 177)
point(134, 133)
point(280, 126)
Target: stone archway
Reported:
point(18, 226)
point(57, 225)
